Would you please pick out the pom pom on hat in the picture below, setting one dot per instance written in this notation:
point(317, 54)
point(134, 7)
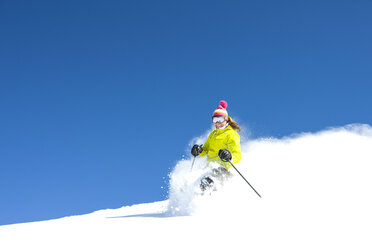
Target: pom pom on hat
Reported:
point(221, 110)
point(223, 104)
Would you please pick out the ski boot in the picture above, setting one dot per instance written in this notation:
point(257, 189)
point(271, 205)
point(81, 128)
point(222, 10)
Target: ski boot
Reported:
point(206, 183)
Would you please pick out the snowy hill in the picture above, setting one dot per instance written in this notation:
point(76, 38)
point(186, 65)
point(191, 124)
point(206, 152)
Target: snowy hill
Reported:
point(316, 191)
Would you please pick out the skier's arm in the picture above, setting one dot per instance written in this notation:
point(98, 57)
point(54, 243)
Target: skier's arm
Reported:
point(234, 148)
point(205, 148)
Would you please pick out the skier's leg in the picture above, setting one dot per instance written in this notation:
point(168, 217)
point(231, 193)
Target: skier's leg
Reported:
point(221, 173)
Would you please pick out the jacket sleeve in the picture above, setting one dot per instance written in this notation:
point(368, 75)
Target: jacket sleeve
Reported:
point(205, 147)
point(234, 147)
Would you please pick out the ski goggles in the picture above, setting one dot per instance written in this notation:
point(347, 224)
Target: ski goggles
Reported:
point(218, 119)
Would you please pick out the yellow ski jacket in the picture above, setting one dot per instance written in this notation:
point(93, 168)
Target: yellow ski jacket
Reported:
point(226, 138)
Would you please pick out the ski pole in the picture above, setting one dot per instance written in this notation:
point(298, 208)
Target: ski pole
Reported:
point(193, 161)
point(244, 178)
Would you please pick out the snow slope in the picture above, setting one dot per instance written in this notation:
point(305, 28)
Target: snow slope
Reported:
point(316, 191)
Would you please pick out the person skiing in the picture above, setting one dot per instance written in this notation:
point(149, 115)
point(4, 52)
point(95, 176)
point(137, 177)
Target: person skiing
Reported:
point(222, 146)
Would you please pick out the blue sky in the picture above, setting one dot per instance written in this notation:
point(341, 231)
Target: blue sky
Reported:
point(99, 100)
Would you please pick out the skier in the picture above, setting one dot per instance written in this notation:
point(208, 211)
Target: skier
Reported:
point(222, 145)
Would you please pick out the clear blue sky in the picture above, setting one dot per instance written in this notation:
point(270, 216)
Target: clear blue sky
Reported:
point(99, 99)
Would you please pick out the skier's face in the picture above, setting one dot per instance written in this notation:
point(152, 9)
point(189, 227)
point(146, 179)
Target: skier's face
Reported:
point(220, 124)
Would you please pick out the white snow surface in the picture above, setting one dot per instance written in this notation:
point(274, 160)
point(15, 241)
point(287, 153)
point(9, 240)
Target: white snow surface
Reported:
point(315, 187)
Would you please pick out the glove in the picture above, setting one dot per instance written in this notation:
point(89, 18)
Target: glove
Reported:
point(224, 155)
point(196, 150)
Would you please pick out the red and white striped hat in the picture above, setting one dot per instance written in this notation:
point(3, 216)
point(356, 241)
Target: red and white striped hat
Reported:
point(221, 110)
